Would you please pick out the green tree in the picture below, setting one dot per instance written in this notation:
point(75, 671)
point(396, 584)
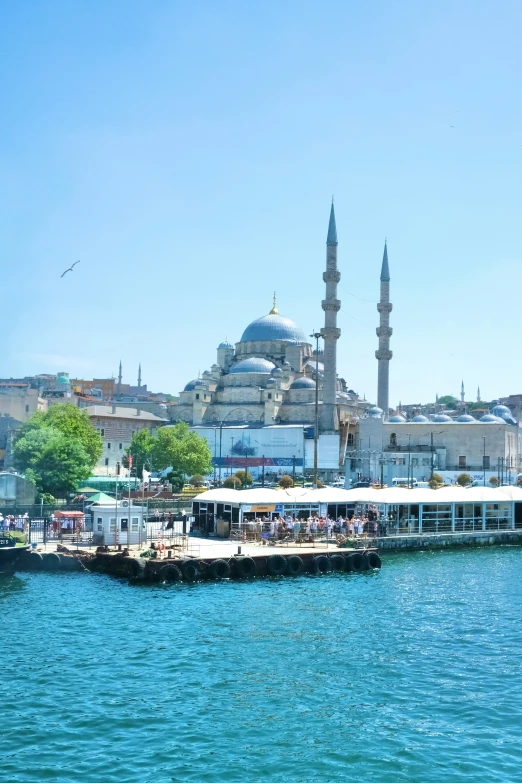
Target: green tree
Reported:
point(55, 462)
point(245, 477)
point(495, 482)
point(232, 482)
point(73, 422)
point(197, 480)
point(177, 479)
point(179, 448)
point(464, 480)
point(436, 481)
point(140, 450)
point(448, 399)
point(285, 482)
point(519, 481)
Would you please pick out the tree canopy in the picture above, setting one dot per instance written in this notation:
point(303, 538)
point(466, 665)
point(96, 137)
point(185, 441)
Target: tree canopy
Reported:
point(57, 449)
point(285, 482)
point(140, 450)
point(54, 462)
point(464, 480)
point(232, 482)
point(181, 449)
point(447, 399)
point(245, 477)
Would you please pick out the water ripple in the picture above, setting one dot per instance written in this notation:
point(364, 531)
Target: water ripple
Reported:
point(410, 674)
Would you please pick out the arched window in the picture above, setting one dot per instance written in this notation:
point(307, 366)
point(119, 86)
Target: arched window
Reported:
point(393, 439)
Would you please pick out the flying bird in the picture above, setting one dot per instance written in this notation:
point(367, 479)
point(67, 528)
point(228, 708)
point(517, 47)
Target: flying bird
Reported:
point(70, 268)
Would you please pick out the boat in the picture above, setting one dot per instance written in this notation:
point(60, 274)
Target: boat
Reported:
point(10, 554)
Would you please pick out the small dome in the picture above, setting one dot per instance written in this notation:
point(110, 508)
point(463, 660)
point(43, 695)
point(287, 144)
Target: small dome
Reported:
point(303, 383)
point(440, 417)
point(191, 385)
point(225, 344)
point(490, 419)
point(397, 419)
point(273, 327)
point(420, 419)
point(253, 365)
point(271, 382)
point(504, 413)
point(277, 371)
point(286, 365)
point(466, 418)
point(375, 412)
point(62, 380)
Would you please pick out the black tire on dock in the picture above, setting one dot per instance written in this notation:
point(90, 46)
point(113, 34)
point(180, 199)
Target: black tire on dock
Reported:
point(69, 563)
point(348, 563)
point(338, 562)
point(355, 562)
point(245, 567)
point(219, 569)
point(190, 571)
point(34, 561)
point(374, 561)
point(321, 564)
point(294, 565)
point(170, 573)
point(51, 562)
point(136, 568)
point(276, 565)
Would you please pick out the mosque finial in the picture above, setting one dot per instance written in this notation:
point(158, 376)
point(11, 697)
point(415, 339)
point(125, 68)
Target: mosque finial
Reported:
point(331, 238)
point(385, 269)
point(274, 310)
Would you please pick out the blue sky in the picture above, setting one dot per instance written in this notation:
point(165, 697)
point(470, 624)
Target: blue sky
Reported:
point(187, 154)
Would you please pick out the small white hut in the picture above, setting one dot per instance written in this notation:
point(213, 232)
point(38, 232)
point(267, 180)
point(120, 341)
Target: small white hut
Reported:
point(118, 522)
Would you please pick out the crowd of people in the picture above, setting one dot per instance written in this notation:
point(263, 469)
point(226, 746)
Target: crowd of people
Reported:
point(291, 528)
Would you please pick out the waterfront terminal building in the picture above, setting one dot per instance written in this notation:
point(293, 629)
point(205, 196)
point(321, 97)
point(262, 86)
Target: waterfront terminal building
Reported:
point(490, 446)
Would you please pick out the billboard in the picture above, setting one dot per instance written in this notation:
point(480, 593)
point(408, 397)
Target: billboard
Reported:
point(251, 447)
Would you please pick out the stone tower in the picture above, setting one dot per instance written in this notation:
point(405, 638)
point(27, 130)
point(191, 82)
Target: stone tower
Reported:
point(139, 376)
point(478, 393)
point(462, 395)
point(119, 379)
point(330, 333)
point(383, 354)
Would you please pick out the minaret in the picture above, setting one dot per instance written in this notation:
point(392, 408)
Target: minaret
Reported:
point(478, 393)
point(330, 333)
point(462, 391)
point(119, 379)
point(383, 354)
point(139, 376)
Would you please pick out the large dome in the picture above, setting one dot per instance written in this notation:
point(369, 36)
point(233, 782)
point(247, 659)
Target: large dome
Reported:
point(273, 327)
point(253, 365)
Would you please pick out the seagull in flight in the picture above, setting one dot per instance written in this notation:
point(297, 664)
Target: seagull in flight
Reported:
point(70, 268)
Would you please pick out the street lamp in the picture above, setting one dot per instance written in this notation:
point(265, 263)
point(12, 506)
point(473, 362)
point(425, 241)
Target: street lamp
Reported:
point(484, 463)
point(316, 335)
point(409, 459)
point(431, 434)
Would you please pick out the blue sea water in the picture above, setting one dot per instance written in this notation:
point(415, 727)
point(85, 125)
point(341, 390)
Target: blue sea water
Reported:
point(407, 674)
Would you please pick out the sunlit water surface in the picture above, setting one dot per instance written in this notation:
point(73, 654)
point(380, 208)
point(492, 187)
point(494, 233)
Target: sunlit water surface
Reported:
point(409, 674)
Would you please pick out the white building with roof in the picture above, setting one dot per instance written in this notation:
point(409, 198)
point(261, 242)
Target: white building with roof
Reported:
point(117, 426)
point(490, 446)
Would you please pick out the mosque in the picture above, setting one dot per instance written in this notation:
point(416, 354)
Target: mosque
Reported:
point(269, 377)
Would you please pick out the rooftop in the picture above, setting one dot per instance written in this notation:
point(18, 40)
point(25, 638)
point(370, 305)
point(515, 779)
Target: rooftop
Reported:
point(114, 412)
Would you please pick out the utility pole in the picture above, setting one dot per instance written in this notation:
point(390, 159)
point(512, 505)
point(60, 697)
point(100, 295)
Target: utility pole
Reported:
point(263, 472)
point(409, 460)
point(484, 463)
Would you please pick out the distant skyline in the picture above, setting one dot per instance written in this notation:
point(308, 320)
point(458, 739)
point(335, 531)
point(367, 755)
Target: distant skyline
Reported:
point(187, 155)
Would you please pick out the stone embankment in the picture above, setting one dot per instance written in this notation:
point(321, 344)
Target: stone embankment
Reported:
point(406, 543)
